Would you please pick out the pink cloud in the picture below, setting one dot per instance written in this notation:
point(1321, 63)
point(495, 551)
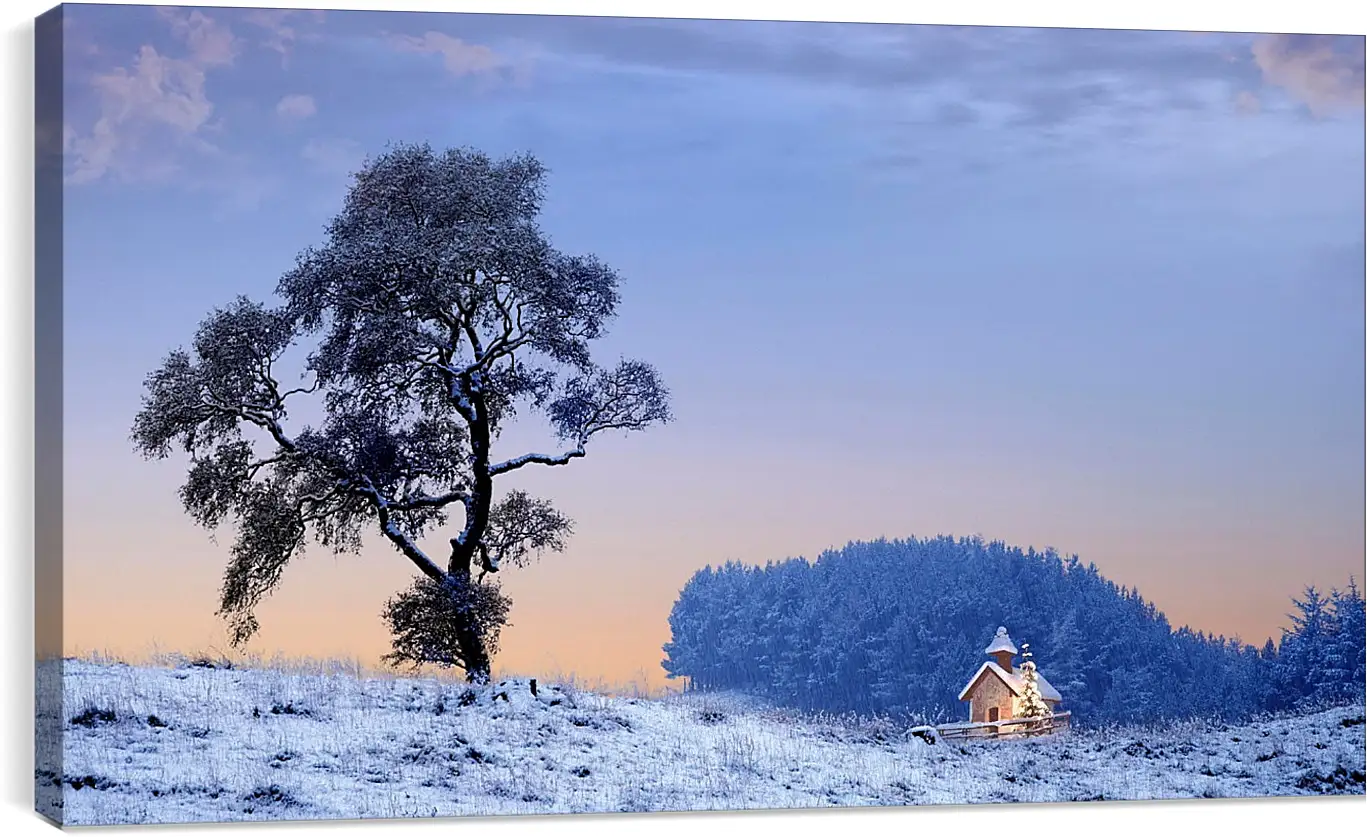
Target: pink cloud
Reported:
point(1325, 72)
point(279, 28)
point(459, 57)
point(156, 100)
point(211, 44)
point(296, 106)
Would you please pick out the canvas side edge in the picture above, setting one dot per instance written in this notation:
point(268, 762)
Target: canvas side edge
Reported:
point(48, 416)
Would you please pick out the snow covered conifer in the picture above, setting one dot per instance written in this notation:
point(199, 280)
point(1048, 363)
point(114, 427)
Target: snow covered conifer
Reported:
point(1350, 618)
point(1032, 704)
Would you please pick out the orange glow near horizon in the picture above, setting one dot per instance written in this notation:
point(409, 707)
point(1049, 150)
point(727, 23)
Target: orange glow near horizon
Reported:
point(599, 611)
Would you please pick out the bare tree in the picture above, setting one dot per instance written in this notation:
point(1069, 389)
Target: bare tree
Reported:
point(438, 309)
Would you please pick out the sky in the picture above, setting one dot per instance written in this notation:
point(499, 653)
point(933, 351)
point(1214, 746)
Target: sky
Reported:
point(1089, 289)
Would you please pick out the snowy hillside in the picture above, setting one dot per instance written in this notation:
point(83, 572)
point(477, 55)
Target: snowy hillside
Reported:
point(199, 744)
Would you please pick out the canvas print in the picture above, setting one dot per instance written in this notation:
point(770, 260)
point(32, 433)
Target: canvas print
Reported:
point(477, 414)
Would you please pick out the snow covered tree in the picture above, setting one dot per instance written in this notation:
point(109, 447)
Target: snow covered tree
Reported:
point(1321, 660)
point(1350, 641)
point(1305, 668)
point(1032, 704)
point(436, 310)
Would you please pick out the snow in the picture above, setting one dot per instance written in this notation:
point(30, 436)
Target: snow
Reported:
point(1046, 689)
point(168, 744)
point(1013, 679)
point(1001, 643)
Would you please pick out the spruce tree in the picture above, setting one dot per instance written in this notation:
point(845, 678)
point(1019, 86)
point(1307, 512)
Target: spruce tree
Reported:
point(1032, 704)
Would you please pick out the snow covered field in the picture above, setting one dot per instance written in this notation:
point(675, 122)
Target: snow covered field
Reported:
point(146, 744)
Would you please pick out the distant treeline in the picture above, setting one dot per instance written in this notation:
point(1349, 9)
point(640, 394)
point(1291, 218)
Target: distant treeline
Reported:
point(897, 627)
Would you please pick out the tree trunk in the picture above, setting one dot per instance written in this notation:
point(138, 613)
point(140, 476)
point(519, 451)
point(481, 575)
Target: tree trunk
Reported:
point(478, 665)
point(481, 498)
point(472, 647)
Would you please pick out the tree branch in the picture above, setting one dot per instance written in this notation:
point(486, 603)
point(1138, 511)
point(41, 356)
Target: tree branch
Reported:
point(397, 536)
point(408, 504)
point(539, 459)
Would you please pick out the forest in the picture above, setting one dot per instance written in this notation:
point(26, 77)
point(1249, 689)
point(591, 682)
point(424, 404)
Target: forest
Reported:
point(895, 627)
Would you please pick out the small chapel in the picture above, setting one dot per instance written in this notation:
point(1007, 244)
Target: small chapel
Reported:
point(995, 691)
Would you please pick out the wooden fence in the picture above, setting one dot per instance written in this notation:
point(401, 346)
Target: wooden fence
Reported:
point(1007, 728)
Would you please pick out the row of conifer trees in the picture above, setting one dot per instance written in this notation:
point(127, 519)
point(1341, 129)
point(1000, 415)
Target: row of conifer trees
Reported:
point(896, 627)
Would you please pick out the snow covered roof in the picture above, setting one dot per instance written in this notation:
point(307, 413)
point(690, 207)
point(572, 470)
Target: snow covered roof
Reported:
point(1001, 643)
point(1014, 681)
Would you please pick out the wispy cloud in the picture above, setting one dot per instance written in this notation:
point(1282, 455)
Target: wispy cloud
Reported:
point(159, 101)
point(1324, 72)
point(157, 92)
point(211, 44)
point(296, 106)
point(279, 27)
point(1041, 84)
point(459, 57)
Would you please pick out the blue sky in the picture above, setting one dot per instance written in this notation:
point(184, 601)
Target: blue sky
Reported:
point(1101, 290)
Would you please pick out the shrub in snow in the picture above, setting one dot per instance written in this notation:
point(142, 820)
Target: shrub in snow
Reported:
point(289, 708)
point(206, 662)
point(272, 795)
point(92, 716)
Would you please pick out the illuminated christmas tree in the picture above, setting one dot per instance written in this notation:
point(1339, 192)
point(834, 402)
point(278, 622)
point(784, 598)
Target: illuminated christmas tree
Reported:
point(1032, 704)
